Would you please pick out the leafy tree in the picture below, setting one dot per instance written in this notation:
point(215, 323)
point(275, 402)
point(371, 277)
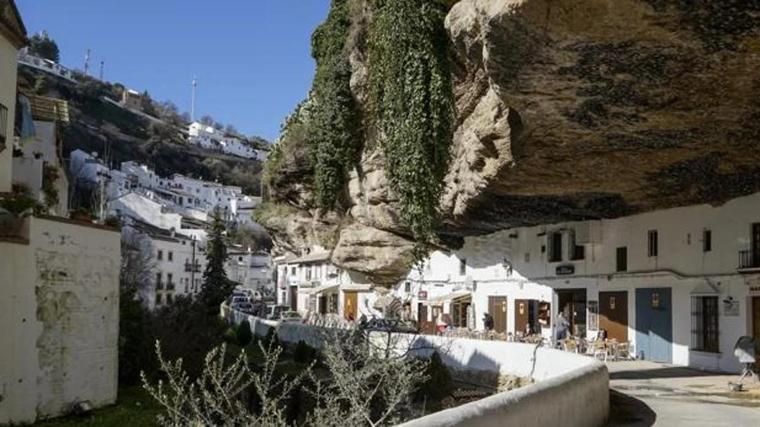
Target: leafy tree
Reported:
point(216, 285)
point(231, 129)
point(43, 46)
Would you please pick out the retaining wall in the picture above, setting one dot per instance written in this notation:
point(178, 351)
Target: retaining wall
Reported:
point(570, 389)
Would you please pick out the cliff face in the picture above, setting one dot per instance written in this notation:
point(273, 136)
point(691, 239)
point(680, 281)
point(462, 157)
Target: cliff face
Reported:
point(565, 110)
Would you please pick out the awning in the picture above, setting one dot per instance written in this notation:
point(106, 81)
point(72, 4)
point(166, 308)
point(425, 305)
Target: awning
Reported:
point(439, 300)
point(705, 288)
point(323, 289)
point(358, 288)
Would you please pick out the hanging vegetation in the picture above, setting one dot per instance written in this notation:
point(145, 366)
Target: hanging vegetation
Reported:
point(413, 106)
point(334, 121)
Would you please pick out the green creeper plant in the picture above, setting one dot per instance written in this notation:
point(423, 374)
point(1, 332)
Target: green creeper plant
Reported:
point(413, 107)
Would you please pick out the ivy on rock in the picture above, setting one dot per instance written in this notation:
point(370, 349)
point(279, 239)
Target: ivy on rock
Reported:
point(413, 106)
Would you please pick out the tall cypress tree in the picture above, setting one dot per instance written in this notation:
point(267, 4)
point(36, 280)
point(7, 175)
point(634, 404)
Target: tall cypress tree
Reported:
point(216, 286)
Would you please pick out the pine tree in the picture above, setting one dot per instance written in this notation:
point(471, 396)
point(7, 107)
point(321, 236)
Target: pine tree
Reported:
point(216, 286)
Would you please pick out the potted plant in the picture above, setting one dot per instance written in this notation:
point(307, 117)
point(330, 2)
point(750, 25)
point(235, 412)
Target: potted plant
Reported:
point(15, 207)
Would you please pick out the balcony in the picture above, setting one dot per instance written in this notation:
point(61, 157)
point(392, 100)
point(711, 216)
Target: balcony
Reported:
point(196, 268)
point(749, 260)
point(170, 286)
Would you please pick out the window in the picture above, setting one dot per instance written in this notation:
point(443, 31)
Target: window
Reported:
point(407, 287)
point(555, 247)
point(158, 280)
point(308, 273)
point(3, 126)
point(292, 271)
point(158, 299)
point(622, 259)
point(704, 324)
point(706, 240)
point(160, 254)
point(463, 266)
point(169, 298)
point(652, 243)
point(170, 255)
point(168, 278)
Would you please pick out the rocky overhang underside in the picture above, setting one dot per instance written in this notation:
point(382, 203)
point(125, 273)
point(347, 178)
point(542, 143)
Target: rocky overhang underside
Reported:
point(565, 110)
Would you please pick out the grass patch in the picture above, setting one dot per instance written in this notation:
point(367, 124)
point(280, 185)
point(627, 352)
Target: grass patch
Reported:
point(134, 408)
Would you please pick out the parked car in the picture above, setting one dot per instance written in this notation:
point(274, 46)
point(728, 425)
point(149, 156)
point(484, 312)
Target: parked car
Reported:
point(290, 317)
point(245, 307)
point(274, 311)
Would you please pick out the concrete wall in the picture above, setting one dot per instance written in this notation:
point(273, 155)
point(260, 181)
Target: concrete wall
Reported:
point(570, 390)
point(59, 301)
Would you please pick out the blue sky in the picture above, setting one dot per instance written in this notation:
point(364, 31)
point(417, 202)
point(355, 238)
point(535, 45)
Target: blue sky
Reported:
point(252, 57)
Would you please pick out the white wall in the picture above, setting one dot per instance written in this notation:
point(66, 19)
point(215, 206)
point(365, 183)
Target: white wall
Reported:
point(59, 308)
point(680, 265)
point(8, 99)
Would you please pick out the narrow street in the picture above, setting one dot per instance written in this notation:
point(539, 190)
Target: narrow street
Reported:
point(646, 393)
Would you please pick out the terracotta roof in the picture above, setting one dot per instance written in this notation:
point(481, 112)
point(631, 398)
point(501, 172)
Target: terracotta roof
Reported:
point(11, 24)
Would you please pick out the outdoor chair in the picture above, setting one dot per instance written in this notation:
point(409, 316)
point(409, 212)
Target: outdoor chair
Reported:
point(600, 349)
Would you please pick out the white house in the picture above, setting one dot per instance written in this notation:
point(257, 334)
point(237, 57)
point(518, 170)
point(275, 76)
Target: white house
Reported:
point(681, 285)
point(311, 283)
point(214, 139)
point(59, 288)
point(176, 262)
point(252, 269)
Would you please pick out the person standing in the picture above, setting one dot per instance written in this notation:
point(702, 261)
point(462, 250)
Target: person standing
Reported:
point(562, 326)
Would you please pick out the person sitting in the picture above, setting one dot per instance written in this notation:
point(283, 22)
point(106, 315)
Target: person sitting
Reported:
point(488, 322)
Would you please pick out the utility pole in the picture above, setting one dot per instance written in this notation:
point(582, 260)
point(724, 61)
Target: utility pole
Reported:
point(192, 102)
point(87, 62)
point(102, 64)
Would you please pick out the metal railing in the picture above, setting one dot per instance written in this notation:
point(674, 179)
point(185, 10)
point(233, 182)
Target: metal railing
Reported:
point(192, 267)
point(749, 259)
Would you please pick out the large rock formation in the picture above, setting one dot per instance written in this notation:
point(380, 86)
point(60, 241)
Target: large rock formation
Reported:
point(569, 110)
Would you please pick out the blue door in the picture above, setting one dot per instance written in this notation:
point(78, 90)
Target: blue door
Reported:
point(654, 324)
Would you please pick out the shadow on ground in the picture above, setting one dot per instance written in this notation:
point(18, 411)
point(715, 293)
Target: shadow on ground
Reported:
point(674, 372)
point(629, 411)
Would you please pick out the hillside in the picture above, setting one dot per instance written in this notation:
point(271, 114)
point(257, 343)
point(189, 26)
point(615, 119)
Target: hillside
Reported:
point(431, 121)
point(120, 135)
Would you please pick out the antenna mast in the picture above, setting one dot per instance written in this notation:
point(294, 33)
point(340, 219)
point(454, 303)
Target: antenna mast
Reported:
point(192, 102)
point(102, 64)
point(87, 62)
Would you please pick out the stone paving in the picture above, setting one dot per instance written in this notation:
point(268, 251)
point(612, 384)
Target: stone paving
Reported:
point(646, 393)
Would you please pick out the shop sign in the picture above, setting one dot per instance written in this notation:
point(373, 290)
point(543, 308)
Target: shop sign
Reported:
point(422, 295)
point(564, 270)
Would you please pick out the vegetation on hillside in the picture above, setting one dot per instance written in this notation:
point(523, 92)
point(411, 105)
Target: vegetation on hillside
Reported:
point(118, 135)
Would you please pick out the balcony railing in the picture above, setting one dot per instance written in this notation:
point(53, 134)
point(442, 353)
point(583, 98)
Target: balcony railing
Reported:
point(749, 259)
point(192, 267)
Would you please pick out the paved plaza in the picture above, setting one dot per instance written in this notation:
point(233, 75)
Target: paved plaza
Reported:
point(646, 393)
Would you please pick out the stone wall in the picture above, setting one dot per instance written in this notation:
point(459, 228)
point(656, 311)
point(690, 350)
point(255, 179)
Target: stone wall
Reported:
point(59, 302)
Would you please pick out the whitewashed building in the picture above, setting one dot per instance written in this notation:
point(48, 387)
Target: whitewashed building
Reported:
point(252, 269)
point(680, 285)
point(59, 287)
point(176, 263)
point(213, 139)
point(312, 284)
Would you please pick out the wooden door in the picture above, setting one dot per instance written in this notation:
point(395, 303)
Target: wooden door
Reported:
point(522, 308)
point(756, 318)
point(497, 307)
point(350, 305)
point(322, 302)
point(294, 298)
point(613, 314)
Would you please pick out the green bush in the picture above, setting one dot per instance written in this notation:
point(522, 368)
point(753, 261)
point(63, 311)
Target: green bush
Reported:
point(439, 383)
point(304, 353)
point(243, 334)
point(271, 338)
